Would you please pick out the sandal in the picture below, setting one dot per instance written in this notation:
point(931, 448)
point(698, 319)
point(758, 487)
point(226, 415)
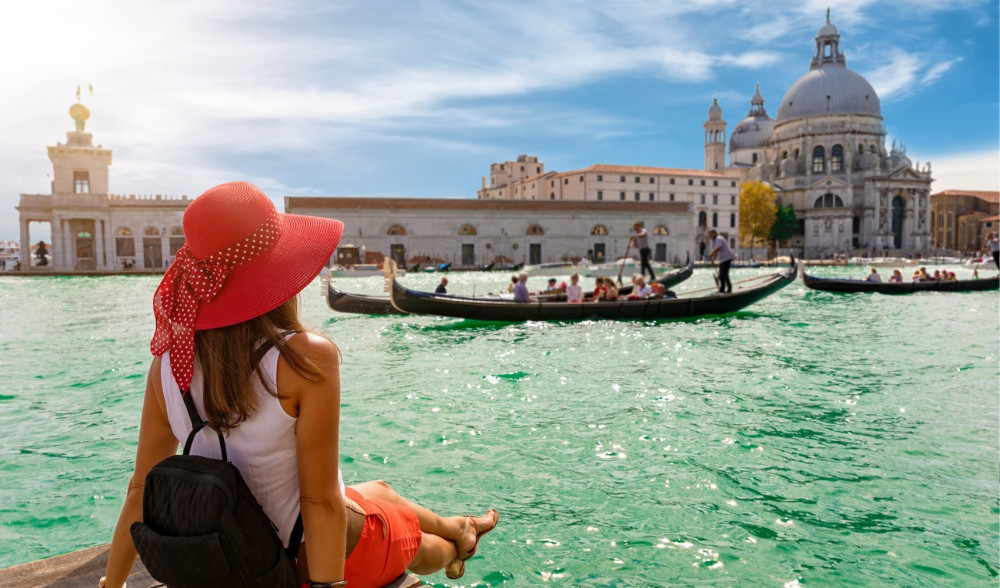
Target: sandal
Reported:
point(456, 568)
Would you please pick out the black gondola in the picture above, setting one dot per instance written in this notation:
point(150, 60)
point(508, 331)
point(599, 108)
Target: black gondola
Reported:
point(848, 285)
point(358, 303)
point(341, 301)
point(414, 302)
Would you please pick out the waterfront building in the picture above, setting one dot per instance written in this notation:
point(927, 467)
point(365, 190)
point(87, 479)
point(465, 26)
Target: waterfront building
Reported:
point(92, 229)
point(710, 197)
point(825, 154)
point(961, 219)
point(469, 233)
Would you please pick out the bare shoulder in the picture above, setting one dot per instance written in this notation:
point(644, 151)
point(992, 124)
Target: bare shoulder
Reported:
point(315, 347)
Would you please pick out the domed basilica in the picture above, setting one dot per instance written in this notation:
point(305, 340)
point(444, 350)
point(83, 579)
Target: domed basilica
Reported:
point(825, 154)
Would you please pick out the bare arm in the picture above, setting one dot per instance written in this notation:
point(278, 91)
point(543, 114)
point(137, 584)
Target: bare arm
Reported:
point(156, 443)
point(318, 432)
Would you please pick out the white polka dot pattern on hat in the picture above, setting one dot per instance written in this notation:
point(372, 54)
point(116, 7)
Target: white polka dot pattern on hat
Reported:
point(187, 282)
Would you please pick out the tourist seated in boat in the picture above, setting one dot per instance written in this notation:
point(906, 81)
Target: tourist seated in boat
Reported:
point(442, 287)
point(521, 293)
point(873, 276)
point(574, 291)
point(923, 274)
point(916, 276)
point(640, 289)
point(609, 291)
point(598, 288)
point(896, 276)
point(279, 406)
point(513, 283)
point(951, 277)
point(552, 288)
point(937, 275)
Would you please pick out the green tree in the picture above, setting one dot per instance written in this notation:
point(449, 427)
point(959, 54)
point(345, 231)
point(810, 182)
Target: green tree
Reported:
point(785, 224)
point(757, 212)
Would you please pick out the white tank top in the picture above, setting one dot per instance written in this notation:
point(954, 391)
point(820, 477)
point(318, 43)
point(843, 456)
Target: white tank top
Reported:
point(263, 447)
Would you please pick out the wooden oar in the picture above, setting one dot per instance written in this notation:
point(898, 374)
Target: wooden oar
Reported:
point(624, 259)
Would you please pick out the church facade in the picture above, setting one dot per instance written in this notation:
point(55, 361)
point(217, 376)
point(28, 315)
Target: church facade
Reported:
point(825, 154)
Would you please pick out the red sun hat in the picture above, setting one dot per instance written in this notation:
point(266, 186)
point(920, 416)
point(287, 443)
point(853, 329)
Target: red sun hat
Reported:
point(241, 259)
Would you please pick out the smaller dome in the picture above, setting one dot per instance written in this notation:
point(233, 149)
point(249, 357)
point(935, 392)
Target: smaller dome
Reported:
point(715, 111)
point(751, 133)
point(828, 30)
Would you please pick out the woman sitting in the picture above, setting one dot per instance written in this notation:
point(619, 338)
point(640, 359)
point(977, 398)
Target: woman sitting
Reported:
point(896, 276)
point(574, 291)
point(232, 287)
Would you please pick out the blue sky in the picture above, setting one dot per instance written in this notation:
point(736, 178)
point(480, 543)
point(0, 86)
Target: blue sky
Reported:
point(407, 98)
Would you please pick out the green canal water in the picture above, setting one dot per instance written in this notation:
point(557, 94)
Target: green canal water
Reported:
point(813, 439)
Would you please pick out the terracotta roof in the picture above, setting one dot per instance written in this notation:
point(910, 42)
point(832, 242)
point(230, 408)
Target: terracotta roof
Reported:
point(299, 203)
point(985, 195)
point(663, 171)
point(988, 219)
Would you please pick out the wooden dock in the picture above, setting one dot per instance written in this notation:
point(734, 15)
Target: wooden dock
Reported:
point(83, 569)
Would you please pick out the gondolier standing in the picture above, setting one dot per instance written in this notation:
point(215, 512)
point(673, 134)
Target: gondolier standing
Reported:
point(994, 246)
point(722, 254)
point(640, 240)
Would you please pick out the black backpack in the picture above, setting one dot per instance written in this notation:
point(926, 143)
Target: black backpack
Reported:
point(202, 527)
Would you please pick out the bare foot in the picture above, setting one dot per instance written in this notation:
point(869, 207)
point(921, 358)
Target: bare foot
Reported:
point(475, 528)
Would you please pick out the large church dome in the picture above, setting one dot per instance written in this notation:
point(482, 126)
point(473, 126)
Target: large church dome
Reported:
point(829, 87)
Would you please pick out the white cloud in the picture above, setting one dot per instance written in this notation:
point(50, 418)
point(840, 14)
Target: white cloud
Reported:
point(938, 70)
point(971, 170)
point(896, 76)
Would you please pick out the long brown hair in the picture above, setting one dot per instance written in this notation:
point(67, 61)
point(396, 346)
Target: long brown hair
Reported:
point(229, 358)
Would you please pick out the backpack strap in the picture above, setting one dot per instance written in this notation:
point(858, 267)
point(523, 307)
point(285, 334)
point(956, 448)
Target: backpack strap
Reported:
point(295, 539)
point(197, 424)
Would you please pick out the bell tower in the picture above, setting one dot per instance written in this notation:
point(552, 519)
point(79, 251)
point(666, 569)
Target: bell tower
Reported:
point(78, 167)
point(715, 138)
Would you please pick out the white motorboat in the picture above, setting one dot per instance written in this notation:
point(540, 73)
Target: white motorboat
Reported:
point(611, 269)
point(361, 270)
point(555, 268)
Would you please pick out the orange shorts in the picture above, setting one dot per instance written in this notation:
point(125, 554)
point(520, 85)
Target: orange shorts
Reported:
point(389, 540)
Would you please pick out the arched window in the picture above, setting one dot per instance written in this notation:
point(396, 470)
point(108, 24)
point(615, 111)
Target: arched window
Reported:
point(467, 229)
point(715, 219)
point(152, 232)
point(176, 240)
point(702, 219)
point(819, 160)
point(124, 242)
point(873, 149)
point(660, 230)
point(536, 230)
point(837, 158)
point(599, 230)
point(396, 230)
point(829, 200)
point(552, 195)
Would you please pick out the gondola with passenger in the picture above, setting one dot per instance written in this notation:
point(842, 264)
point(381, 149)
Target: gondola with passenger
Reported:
point(844, 285)
point(414, 302)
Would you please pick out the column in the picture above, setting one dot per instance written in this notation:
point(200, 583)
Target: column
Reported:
point(25, 246)
point(165, 246)
point(70, 245)
point(57, 246)
point(98, 244)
